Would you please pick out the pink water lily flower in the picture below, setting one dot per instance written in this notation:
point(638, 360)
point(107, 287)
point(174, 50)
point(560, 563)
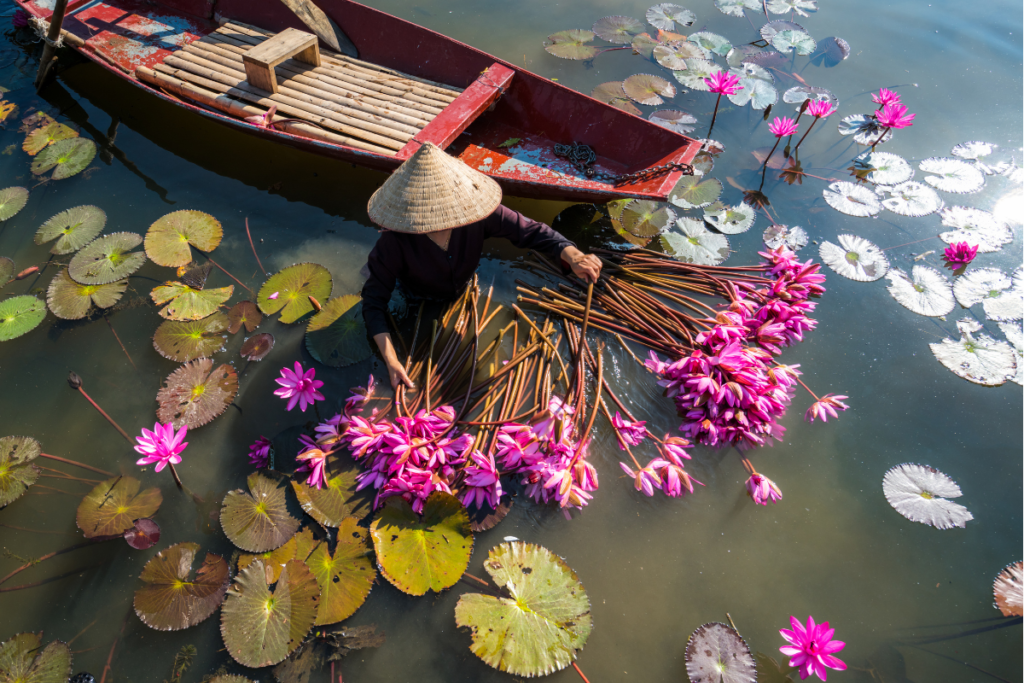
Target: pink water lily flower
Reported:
point(884, 97)
point(782, 126)
point(895, 116)
point(811, 648)
point(161, 446)
point(632, 433)
point(273, 296)
point(645, 480)
point(827, 405)
point(259, 452)
point(299, 387)
point(763, 490)
point(723, 83)
point(314, 461)
point(820, 108)
point(959, 254)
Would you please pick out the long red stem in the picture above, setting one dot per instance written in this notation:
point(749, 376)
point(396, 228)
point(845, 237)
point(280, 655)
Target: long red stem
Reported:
point(262, 269)
point(76, 463)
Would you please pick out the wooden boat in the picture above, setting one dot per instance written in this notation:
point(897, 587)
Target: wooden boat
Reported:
point(376, 110)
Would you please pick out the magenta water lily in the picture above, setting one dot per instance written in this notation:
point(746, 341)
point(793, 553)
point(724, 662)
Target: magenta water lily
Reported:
point(299, 387)
point(811, 648)
point(162, 447)
point(721, 83)
point(763, 490)
point(959, 254)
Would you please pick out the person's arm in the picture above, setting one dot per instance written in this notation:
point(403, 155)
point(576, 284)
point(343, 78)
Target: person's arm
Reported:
point(383, 264)
point(527, 233)
point(396, 371)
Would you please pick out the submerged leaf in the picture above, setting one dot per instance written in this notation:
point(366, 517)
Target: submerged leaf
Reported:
point(6, 270)
point(185, 341)
point(612, 93)
point(864, 129)
point(24, 660)
point(981, 359)
point(697, 70)
point(256, 347)
point(244, 313)
point(572, 44)
point(676, 121)
point(830, 52)
point(143, 535)
point(1008, 589)
point(793, 237)
point(17, 471)
point(12, 200)
point(666, 15)
point(196, 393)
point(644, 218)
point(1015, 335)
point(928, 292)
point(920, 493)
point(693, 193)
point(976, 227)
point(292, 288)
point(882, 168)
point(852, 199)
point(187, 303)
point(72, 301)
point(855, 258)
point(691, 242)
point(336, 335)
point(19, 315)
point(953, 175)
point(66, 158)
point(731, 220)
point(107, 259)
point(346, 577)
point(258, 521)
point(74, 227)
point(716, 653)
point(647, 89)
point(112, 507)
point(172, 599)
point(168, 239)
point(912, 199)
point(618, 29)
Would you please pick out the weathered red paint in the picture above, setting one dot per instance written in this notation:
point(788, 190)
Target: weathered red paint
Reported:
point(124, 34)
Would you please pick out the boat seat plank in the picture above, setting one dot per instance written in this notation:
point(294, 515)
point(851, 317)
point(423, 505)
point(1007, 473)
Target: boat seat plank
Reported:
point(261, 59)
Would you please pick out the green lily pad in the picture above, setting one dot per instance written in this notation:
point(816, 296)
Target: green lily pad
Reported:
point(187, 303)
point(22, 660)
point(293, 287)
point(185, 341)
point(691, 242)
point(66, 158)
point(17, 472)
point(171, 599)
point(789, 39)
point(673, 56)
point(74, 227)
point(168, 239)
point(12, 200)
point(716, 653)
point(20, 314)
point(331, 505)
point(336, 336)
point(618, 29)
point(417, 553)
point(758, 87)
point(196, 393)
point(693, 193)
point(647, 89)
point(695, 73)
point(544, 624)
point(72, 301)
point(346, 578)
point(298, 547)
point(572, 44)
point(244, 313)
point(711, 43)
point(112, 507)
point(40, 138)
point(666, 15)
point(6, 270)
point(613, 94)
point(644, 218)
point(258, 521)
point(260, 627)
point(107, 259)
point(731, 220)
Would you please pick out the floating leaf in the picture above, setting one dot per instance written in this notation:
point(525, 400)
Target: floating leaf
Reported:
point(72, 301)
point(331, 505)
point(293, 287)
point(144, 535)
point(693, 193)
point(793, 237)
point(882, 168)
point(674, 55)
point(112, 507)
point(773, 28)
point(739, 53)
point(542, 625)
point(12, 200)
point(1008, 589)
point(572, 44)
point(66, 158)
point(644, 46)
point(830, 52)
point(618, 29)
point(6, 270)
point(801, 93)
point(715, 653)
point(734, 8)
point(647, 89)
point(74, 227)
point(852, 199)
point(1015, 335)
point(258, 521)
point(418, 554)
point(485, 518)
point(855, 258)
point(925, 292)
point(256, 347)
point(644, 218)
point(195, 393)
point(981, 359)
point(46, 135)
point(187, 303)
point(244, 313)
point(731, 220)
point(1001, 296)
point(336, 335)
point(195, 276)
point(758, 87)
point(261, 628)
point(298, 547)
point(703, 163)
point(973, 150)
point(787, 40)
point(801, 7)
point(697, 70)
point(769, 59)
point(864, 129)
point(168, 239)
point(711, 43)
point(22, 660)
point(612, 93)
point(920, 493)
point(172, 599)
point(666, 15)
point(107, 259)
point(346, 578)
point(20, 314)
point(691, 242)
point(976, 227)
point(912, 199)
point(953, 175)
point(676, 121)
point(17, 472)
point(185, 341)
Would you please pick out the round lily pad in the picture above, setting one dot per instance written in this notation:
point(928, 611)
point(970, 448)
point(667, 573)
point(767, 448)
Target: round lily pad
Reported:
point(855, 258)
point(17, 472)
point(72, 301)
point(42, 137)
point(676, 121)
point(793, 237)
point(1014, 333)
point(346, 577)
point(20, 314)
point(952, 175)
point(882, 168)
point(788, 39)
point(612, 93)
point(112, 507)
point(298, 547)
point(647, 89)
point(920, 493)
point(256, 347)
point(331, 505)
point(691, 192)
point(12, 200)
point(244, 313)
point(258, 521)
point(691, 242)
point(291, 289)
point(336, 336)
point(976, 227)
point(912, 199)
point(925, 292)
point(864, 129)
point(757, 87)
point(731, 220)
point(107, 259)
point(544, 623)
point(666, 15)
point(973, 150)
point(66, 158)
point(715, 653)
point(799, 94)
point(72, 228)
point(1008, 589)
point(260, 627)
point(697, 70)
point(734, 8)
point(172, 598)
point(711, 43)
point(168, 239)
point(22, 658)
point(801, 7)
point(618, 29)
point(979, 359)
point(999, 294)
point(196, 393)
point(852, 199)
point(644, 218)
point(185, 341)
point(418, 554)
point(187, 303)
point(644, 45)
point(769, 30)
point(572, 44)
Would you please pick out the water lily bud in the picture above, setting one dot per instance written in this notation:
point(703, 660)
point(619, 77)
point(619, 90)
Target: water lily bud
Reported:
point(74, 381)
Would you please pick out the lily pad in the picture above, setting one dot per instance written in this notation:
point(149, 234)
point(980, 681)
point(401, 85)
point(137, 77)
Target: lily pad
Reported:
point(864, 129)
point(196, 393)
point(799, 94)
point(293, 286)
point(691, 242)
point(644, 218)
point(336, 336)
point(976, 227)
point(1008, 589)
point(107, 259)
point(185, 341)
point(647, 89)
point(19, 315)
point(953, 175)
point(674, 55)
point(72, 228)
point(72, 301)
point(256, 347)
point(22, 659)
point(6, 270)
point(855, 258)
point(793, 237)
point(17, 471)
point(830, 52)
point(112, 507)
point(612, 93)
point(542, 625)
point(693, 193)
point(331, 505)
point(666, 15)
point(42, 137)
point(925, 292)
point(195, 276)
point(981, 359)
point(418, 554)
point(66, 158)
point(298, 547)
point(773, 28)
point(882, 168)
point(258, 521)
point(1001, 296)
point(244, 313)
point(731, 220)
point(758, 89)
point(711, 42)
point(187, 303)
point(644, 45)
point(260, 627)
point(346, 577)
point(800, 41)
point(920, 493)
point(735, 8)
point(696, 71)
point(618, 29)
point(1015, 335)
point(12, 200)
point(852, 199)
point(676, 121)
point(172, 598)
point(143, 535)
point(572, 44)
point(716, 653)
point(801, 7)
point(973, 150)
point(168, 239)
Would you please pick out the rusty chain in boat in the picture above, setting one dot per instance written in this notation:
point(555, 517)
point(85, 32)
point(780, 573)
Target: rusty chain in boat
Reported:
point(583, 156)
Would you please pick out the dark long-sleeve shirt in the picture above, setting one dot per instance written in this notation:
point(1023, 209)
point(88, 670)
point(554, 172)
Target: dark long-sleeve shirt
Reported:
point(427, 270)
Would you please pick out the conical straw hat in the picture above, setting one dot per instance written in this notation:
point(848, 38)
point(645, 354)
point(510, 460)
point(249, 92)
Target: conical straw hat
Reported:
point(433, 191)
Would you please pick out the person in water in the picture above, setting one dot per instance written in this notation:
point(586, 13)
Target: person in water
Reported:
point(436, 213)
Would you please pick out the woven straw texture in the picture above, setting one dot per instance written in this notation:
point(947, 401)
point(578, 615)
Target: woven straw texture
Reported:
point(433, 191)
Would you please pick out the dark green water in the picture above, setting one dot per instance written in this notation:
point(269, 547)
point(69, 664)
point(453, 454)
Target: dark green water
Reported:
point(654, 569)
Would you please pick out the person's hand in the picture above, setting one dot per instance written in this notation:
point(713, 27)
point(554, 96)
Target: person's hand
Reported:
point(398, 376)
point(586, 267)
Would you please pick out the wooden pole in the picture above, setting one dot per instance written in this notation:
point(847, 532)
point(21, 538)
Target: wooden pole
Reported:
point(51, 40)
